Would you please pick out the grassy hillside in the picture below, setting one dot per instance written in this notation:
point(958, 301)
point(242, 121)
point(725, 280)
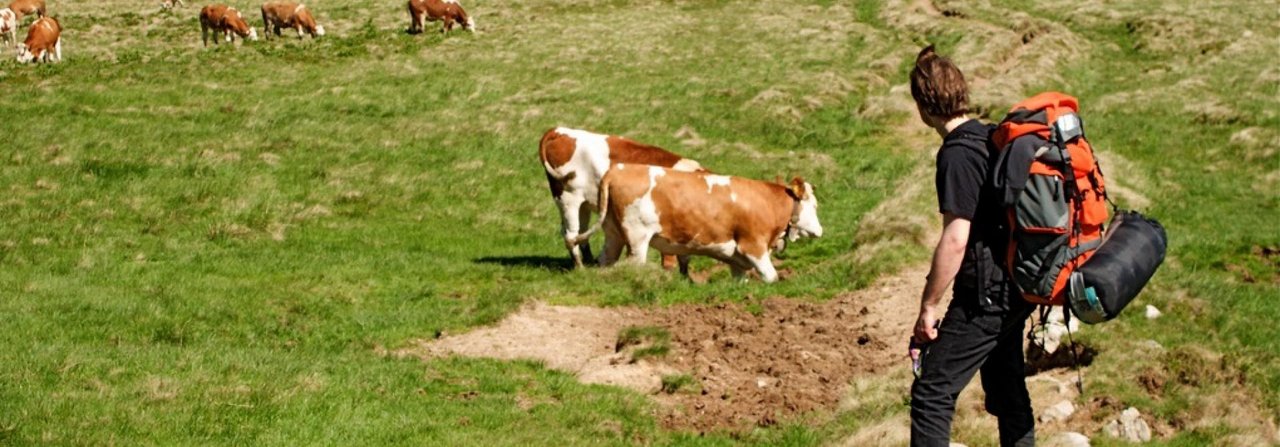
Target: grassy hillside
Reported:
point(212, 246)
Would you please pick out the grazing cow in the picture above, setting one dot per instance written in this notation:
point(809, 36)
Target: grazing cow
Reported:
point(27, 7)
point(169, 4)
point(9, 26)
point(732, 219)
point(447, 11)
point(224, 20)
point(276, 15)
point(576, 160)
point(44, 42)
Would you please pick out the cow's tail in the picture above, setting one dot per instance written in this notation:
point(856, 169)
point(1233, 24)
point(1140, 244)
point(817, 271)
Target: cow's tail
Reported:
point(604, 212)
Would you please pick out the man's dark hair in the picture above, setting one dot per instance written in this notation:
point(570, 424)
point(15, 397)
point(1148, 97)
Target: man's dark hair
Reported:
point(938, 86)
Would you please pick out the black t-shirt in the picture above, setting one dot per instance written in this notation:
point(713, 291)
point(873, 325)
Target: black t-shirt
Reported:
point(964, 190)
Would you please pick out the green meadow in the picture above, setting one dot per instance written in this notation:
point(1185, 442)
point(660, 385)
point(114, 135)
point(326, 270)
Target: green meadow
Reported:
point(214, 246)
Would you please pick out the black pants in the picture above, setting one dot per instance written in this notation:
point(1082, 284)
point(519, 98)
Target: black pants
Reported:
point(967, 340)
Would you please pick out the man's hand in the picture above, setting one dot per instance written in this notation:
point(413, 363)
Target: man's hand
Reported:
point(926, 325)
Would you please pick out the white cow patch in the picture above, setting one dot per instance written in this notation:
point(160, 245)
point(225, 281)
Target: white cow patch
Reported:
point(590, 161)
point(452, 1)
point(687, 165)
point(715, 180)
point(299, 8)
point(641, 216)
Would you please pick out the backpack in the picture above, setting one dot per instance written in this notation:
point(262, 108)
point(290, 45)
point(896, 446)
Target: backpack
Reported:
point(1055, 195)
point(1056, 201)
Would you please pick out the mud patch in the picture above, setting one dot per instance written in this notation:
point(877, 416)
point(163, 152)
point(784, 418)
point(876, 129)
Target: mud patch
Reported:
point(792, 357)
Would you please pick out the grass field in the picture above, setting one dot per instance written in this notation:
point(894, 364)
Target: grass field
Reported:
point(212, 246)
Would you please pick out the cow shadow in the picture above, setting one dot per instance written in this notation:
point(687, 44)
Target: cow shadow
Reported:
point(549, 263)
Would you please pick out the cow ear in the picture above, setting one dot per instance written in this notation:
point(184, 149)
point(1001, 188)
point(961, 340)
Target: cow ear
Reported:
point(797, 187)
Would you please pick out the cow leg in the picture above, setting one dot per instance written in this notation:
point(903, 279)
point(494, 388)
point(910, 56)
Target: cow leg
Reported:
point(569, 225)
point(298, 28)
point(763, 266)
point(57, 50)
point(584, 220)
point(668, 262)
point(613, 243)
point(638, 244)
point(684, 264)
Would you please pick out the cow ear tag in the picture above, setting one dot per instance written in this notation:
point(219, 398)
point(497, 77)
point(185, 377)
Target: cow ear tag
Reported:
point(797, 187)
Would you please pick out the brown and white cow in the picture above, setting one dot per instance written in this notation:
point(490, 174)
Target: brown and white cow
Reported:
point(170, 4)
point(575, 161)
point(44, 42)
point(276, 15)
point(23, 8)
point(735, 220)
point(447, 11)
point(224, 20)
point(9, 26)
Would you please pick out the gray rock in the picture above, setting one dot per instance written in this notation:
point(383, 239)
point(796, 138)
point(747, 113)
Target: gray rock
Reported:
point(1129, 427)
point(1060, 411)
point(1067, 439)
point(1152, 312)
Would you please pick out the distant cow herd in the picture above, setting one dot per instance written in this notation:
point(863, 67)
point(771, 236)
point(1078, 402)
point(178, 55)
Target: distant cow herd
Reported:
point(219, 21)
point(649, 197)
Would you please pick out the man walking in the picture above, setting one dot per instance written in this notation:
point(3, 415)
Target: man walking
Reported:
point(983, 326)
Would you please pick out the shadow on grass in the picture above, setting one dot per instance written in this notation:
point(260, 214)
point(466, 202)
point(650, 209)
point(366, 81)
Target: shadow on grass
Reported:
point(550, 263)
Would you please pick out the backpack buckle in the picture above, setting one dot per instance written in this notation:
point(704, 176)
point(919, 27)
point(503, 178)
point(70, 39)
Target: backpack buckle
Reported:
point(1066, 128)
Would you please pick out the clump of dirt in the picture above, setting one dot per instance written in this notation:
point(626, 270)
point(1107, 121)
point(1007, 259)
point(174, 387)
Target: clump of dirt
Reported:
point(1074, 355)
point(1153, 381)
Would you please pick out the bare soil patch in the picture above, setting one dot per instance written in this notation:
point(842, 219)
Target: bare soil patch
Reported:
point(789, 358)
point(757, 368)
point(580, 340)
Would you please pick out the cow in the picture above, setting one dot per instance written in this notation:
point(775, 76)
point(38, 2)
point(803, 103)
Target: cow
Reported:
point(9, 26)
point(170, 4)
point(732, 219)
point(447, 11)
point(22, 8)
point(575, 161)
point(44, 42)
point(276, 15)
point(224, 20)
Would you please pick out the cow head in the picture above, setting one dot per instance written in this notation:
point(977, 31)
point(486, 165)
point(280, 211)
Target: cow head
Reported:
point(804, 217)
point(319, 30)
point(241, 27)
point(25, 55)
point(470, 24)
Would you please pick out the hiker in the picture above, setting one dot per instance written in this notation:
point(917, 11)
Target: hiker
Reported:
point(983, 326)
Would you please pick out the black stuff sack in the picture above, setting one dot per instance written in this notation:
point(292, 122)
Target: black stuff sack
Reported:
point(1132, 249)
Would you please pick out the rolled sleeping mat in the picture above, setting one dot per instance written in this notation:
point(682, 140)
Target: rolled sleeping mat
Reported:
point(1132, 249)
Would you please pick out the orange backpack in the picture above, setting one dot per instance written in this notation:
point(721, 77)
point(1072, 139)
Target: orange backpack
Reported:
point(1054, 195)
